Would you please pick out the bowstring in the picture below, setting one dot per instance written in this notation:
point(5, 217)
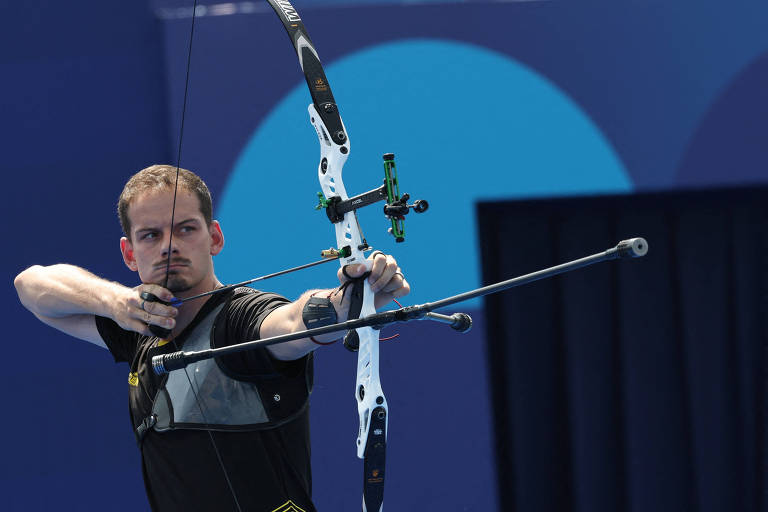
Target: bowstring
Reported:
point(170, 247)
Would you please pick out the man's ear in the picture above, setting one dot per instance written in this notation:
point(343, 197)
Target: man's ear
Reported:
point(127, 249)
point(217, 237)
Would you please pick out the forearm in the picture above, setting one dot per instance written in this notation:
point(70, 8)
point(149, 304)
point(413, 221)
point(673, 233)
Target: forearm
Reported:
point(290, 319)
point(385, 281)
point(62, 290)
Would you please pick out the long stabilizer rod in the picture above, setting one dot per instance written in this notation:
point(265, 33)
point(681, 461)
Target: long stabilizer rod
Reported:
point(631, 248)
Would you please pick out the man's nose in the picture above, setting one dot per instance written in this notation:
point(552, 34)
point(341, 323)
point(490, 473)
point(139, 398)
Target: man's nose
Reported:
point(169, 242)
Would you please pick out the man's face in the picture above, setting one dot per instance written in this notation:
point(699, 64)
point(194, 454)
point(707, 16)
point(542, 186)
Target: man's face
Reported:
point(193, 243)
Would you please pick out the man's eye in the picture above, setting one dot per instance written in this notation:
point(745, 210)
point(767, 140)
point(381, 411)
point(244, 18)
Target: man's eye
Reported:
point(148, 236)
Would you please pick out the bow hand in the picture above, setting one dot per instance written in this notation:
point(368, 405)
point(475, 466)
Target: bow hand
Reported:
point(382, 273)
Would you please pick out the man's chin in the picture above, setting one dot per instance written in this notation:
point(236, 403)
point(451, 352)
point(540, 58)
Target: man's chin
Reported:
point(177, 285)
point(174, 284)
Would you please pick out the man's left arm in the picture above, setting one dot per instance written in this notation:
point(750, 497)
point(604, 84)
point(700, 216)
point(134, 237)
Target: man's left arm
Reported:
point(386, 280)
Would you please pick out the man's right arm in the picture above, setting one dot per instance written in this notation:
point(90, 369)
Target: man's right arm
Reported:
point(68, 298)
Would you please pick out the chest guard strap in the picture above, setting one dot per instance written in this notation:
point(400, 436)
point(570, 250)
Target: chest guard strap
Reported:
point(208, 398)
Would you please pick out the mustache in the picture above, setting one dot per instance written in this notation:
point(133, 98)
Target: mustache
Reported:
point(174, 261)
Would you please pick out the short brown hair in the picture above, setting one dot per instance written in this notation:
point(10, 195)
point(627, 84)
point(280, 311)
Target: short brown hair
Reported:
point(161, 177)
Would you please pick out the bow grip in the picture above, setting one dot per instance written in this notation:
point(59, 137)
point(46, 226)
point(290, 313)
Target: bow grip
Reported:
point(357, 284)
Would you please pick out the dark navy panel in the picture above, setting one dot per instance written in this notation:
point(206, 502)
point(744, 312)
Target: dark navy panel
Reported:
point(82, 107)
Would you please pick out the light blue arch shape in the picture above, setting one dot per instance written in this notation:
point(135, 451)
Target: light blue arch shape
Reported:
point(465, 124)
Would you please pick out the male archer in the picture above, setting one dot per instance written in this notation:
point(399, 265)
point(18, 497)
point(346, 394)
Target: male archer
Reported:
point(236, 435)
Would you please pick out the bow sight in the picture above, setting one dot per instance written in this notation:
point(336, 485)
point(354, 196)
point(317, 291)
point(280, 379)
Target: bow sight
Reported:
point(396, 207)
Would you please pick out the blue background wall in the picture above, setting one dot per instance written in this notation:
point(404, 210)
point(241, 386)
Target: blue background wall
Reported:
point(478, 100)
